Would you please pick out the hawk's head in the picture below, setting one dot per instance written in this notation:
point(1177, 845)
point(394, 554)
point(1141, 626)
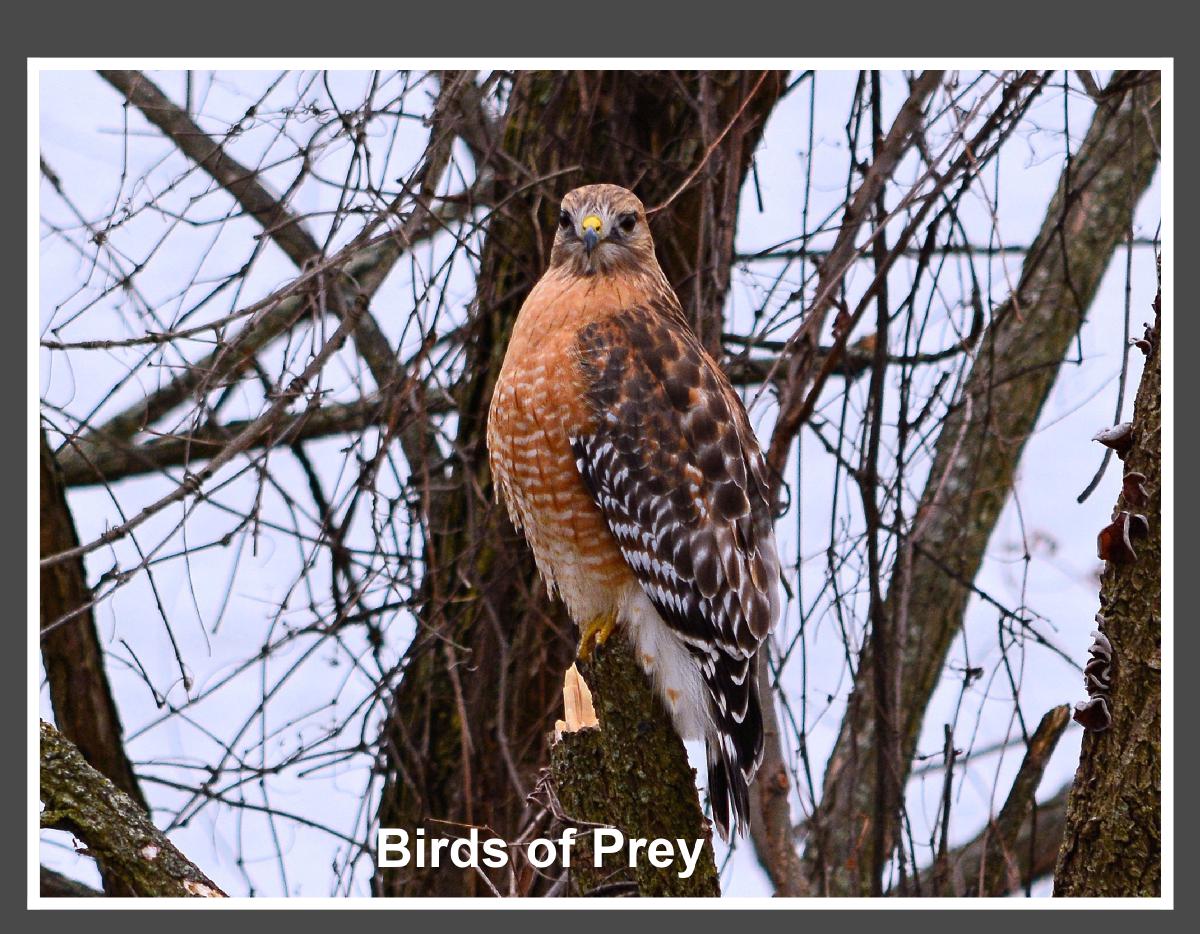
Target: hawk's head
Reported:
point(602, 228)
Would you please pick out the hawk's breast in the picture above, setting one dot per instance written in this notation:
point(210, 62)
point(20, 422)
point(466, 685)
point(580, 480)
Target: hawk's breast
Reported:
point(537, 407)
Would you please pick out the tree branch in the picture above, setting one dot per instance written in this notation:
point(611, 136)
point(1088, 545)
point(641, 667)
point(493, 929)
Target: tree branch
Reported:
point(770, 806)
point(71, 653)
point(772, 833)
point(55, 885)
point(251, 435)
point(280, 224)
point(842, 255)
point(117, 831)
point(974, 464)
point(996, 868)
point(355, 273)
point(808, 370)
point(79, 690)
point(1034, 849)
point(119, 462)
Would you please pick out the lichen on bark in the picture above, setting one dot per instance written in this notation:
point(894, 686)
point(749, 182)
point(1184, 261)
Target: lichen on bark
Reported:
point(117, 832)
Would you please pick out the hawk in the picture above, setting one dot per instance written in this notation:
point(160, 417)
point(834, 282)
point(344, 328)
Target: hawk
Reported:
point(623, 453)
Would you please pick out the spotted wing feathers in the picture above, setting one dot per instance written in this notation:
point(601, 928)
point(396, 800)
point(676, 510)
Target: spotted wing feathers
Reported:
point(674, 466)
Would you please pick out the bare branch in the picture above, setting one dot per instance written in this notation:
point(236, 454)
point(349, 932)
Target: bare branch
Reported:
point(355, 273)
point(998, 869)
point(1034, 848)
point(118, 462)
point(974, 464)
point(284, 227)
point(898, 141)
point(771, 830)
point(251, 435)
point(71, 654)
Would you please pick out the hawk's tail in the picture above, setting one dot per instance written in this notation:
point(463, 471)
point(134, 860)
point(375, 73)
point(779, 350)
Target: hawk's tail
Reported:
point(734, 754)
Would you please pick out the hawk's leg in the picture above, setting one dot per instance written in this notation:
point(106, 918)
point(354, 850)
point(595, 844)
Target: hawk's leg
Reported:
point(595, 634)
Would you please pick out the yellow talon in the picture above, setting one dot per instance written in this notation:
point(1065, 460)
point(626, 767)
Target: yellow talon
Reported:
point(595, 634)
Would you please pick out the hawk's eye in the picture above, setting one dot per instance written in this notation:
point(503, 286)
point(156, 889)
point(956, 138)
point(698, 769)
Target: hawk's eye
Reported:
point(627, 222)
point(564, 220)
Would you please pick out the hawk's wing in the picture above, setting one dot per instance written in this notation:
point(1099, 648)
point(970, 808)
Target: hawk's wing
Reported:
point(674, 466)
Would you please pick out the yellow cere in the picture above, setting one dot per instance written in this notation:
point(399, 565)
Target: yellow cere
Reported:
point(592, 222)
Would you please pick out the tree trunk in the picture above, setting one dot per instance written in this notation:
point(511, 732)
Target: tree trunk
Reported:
point(1112, 845)
point(974, 464)
point(482, 678)
point(71, 654)
point(628, 774)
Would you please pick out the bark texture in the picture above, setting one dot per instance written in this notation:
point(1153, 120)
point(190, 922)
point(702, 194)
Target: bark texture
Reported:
point(628, 774)
point(974, 464)
point(482, 679)
point(118, 833)
point(1113, 843)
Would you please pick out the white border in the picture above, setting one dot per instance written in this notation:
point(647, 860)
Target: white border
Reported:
point(1167, 350)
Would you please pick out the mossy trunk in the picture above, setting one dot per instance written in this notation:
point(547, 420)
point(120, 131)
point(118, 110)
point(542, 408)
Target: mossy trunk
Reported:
point(627, 774)
point(481, 682)
point(1113, 845)
point(116, 830)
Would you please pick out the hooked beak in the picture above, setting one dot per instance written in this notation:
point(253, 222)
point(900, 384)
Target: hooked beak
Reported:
point(592, 225)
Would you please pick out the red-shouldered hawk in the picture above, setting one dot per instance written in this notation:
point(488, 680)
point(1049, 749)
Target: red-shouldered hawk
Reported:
point(628, 460)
